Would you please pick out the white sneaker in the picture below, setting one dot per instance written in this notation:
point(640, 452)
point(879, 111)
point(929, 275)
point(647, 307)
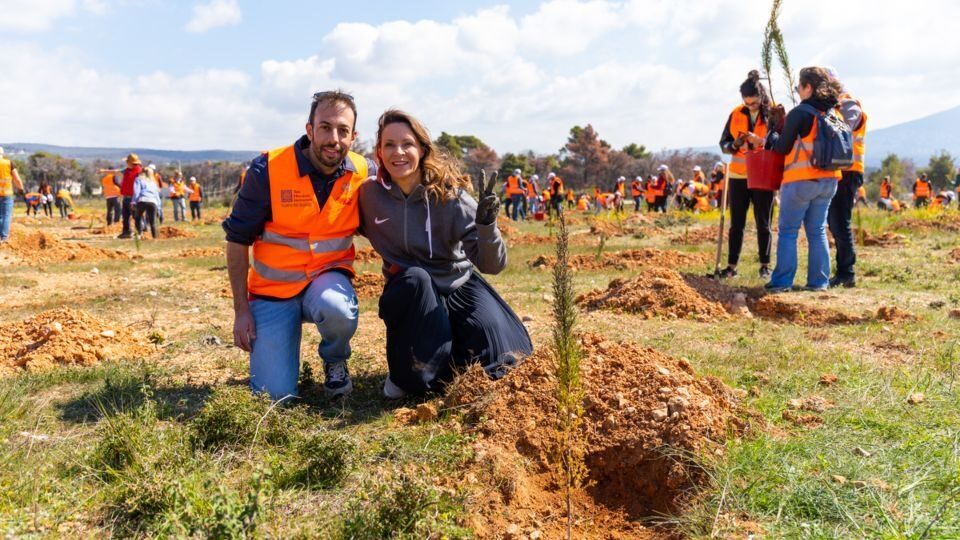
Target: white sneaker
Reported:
point(337, 381)
point(392, 391)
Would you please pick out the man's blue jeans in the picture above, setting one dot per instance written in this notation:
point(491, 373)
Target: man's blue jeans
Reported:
point(517, 202)
point(804, 202)
point(6, 216)
point(330, 303)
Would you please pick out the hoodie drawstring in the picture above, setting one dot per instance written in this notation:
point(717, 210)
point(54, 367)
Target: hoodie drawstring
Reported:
point(426, 200)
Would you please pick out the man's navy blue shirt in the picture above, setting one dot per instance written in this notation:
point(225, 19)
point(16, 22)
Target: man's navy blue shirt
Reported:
point(252, 209)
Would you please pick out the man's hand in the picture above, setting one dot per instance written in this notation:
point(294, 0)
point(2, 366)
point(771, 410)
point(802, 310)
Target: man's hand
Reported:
point(488, 204)
point(244, 330)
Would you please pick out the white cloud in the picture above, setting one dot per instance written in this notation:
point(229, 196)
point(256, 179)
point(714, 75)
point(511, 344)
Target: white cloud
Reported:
point(213, 14)
point(39, 15)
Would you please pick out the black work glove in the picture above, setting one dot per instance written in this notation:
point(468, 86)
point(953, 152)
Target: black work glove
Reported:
point(739, 142)
point(488, 204)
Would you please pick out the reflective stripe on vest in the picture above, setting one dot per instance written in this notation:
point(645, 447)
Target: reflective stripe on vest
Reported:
point(799, 166)
point(740, 123)
point(303, 240)
point(922, 189)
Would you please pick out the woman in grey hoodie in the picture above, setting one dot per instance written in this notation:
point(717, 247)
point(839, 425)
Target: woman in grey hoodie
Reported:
point(434, 239)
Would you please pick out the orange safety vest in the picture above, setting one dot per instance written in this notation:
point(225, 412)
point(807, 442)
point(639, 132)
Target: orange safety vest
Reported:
point(621, 188)
point(570, 196)
point(740, 123)
point(197, 194)
point(921, 189)
point(635, 189)
point(885, 190)
point(531, 191)
point(797, 165)
point(859, 139)
point(546, 194)
point(179, 189)
point(862, 192)
point(582, 204)
point(513, 186)
point(110, 189)
point(6, 177)
point(301, 240)
point(702, 204)
point(653, 191)
point(556, 185)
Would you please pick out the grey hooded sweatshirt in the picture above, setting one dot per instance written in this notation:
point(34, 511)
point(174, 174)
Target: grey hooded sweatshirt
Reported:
point(441, 237)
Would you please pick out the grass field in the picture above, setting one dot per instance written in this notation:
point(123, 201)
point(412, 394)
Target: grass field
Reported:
point(173, 444)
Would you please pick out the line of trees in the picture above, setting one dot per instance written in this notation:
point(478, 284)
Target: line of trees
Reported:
point(941, 170)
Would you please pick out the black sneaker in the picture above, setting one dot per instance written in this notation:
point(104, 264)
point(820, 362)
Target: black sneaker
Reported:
point(728, 272)
point(124, 236)
point(846, 283)
point(337, 379)
point(765, 272)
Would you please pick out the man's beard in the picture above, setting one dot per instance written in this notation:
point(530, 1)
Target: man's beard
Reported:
point(327, 161)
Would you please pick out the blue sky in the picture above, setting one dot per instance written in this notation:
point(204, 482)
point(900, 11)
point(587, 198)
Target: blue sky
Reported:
point(238, 74)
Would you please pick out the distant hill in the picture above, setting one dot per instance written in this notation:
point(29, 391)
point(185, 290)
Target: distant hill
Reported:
point(917, 139)
point(118, 154)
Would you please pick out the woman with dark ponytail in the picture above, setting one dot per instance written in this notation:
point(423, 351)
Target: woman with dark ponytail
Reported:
point(806, 191)
point(747, 118)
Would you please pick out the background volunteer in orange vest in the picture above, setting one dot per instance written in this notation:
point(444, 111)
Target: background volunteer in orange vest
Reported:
point(195, 196)
point(556, 192)
point(110, 183)
point(636, 191)
point(515, 194)
point(178, 193)
point(299, 209)
point(10, 185)
point(129, 175)
point(886, 194)
point(750, 117)
point(158, 179)
point(806, 191)
point(922, 191)
point(435, 239)
point(532, 193)
point(663, 186)
point(841, 208)
point(716, 184)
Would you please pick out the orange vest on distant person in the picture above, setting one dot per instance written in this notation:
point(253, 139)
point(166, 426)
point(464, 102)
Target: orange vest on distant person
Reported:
point(740, 123)
point(197, 194)
point(110, 188)
point(513, 186)
point(859, 139)
point(302, 241)
point(922, 189)
point(797, 165)
point(885, 190)
point(556, 185)
point(6, 177)
point(635, 189)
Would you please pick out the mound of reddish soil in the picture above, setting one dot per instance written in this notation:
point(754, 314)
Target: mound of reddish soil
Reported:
point(508, 230)
point(656, 292)
point(167, 232)
point(37, 247)
point(646, 416)
point(520, 239)
point(703, 235)
point(64, 336)
point(955, 254)
point(366, 255)
point(894, 314)
point(198, 253)
point(368, 284)
point(625, 259)
point(774, 308)
point(107, 230)
point(880, 240)
point(946, 221)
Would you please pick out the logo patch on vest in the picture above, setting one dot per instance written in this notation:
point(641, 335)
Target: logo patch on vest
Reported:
point(286, 195)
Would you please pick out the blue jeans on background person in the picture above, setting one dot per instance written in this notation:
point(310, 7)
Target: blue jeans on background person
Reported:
point(330, 303)
point(517, 202)
point(804, 202)
point(6, 216)
point(179, 209)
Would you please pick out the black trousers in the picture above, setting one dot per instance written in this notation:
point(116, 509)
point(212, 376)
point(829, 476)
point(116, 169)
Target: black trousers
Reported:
point(113, 210)
point(838, 219)
point(194, 210)
point(739, 199)
point(126, 211)
point(430, 335)
point(48, 209)
point(146, 212)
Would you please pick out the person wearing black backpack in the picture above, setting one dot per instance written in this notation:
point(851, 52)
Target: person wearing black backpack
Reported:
point(807, 189)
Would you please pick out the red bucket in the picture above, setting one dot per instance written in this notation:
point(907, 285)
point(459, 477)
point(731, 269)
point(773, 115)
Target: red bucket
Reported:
point(764, 170)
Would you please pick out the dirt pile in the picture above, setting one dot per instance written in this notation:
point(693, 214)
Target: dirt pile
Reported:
point(39, 247)
point(200, 253)
point(367, 255)
point(645, 416)
point(622, 260)
point(886, 239)
point(507, 230)
point(941, 222)
point(368, 284)
point(656, 292)
point(521, 239)
point(773, 308)
point(167, 232)
point(955, 255)
point(704, 235)
point(107, 230)
point(64, 336)
point(894, 314)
